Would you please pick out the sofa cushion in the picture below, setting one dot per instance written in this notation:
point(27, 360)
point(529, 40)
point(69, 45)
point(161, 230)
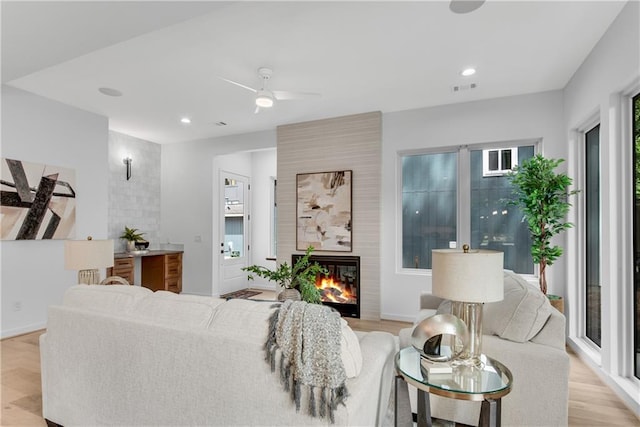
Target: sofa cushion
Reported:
point(179, 310)
point(113, 299)
point(521, 314)
point(232, 317)
point(350, 351)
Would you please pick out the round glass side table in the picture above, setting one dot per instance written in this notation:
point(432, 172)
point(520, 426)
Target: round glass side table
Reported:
point(487, 383)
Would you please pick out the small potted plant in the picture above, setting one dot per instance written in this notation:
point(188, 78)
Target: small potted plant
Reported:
point(543, 196)
point(131, 235)
point(298, 282)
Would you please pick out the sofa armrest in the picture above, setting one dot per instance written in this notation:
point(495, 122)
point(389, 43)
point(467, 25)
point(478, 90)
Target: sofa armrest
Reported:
point(376, 379)
point(540, 392)
point(405, 337)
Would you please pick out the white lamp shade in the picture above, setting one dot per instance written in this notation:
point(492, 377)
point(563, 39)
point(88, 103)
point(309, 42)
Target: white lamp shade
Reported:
point(475, 276)
point(88, 254)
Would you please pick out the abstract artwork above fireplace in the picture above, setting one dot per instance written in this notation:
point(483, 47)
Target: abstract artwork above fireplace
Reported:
point(324, 211)
point(37, 201)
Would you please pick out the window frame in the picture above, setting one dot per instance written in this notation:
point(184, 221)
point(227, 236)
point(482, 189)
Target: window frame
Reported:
point(463, 215)
point(585, 231)
point(273, 216)
point(577, 215)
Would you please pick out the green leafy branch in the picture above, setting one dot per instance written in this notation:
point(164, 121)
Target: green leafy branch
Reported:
point(302, 276)
point(131, 234)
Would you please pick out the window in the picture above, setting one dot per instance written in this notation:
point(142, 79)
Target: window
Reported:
point(444, 203)
point(234, 214)
point(429, 206)
point(636, 227)
point(494, 224)
point(498, 161)
point(592, 236)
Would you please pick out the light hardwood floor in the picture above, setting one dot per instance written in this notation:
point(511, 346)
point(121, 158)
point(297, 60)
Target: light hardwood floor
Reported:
point(591, 402)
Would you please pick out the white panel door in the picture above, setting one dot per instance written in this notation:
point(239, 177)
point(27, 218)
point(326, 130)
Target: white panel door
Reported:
point(234, 229)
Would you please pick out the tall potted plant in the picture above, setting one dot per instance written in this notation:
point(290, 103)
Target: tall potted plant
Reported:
point(298, 281)
point(543, 196)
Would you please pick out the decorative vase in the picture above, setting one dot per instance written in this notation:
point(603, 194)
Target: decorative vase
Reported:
point(131, 245)
point(292, 294)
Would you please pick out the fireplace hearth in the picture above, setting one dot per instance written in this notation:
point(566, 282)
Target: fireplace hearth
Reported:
point(340, 288)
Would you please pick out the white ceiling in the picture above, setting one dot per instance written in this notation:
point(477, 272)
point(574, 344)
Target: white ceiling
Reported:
point(166, 57)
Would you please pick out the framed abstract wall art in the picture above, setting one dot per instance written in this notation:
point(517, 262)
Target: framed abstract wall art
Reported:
point(324, 211)
point(37, 201)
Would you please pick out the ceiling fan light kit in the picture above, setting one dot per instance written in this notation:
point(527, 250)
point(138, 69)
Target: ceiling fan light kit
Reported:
point(264, 99)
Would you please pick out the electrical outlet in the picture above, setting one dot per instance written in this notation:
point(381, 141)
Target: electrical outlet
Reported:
point(197, 239)
point(17, 306)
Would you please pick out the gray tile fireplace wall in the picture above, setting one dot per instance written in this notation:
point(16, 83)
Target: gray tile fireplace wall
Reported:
point(134, 202)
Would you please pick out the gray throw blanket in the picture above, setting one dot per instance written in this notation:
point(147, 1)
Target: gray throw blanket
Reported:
point(308, 336)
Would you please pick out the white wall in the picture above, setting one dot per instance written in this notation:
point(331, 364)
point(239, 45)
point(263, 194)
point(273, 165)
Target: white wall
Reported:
point(188, 182)
point(599, 92)
point(39, 130)
point(264, 165)
point(134, 203)
point(537, 116)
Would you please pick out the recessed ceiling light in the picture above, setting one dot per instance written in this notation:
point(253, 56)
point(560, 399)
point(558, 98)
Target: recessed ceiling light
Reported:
point(465, 6)
point(468, 72)
point(109, 91)
point(185, 120)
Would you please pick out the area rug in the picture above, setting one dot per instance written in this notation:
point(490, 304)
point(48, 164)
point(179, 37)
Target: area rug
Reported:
point(241, 294)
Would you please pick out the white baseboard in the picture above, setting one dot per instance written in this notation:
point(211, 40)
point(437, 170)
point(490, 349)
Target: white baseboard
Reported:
point(23, 330)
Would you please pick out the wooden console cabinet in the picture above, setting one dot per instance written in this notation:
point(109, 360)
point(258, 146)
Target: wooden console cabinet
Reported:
point(162, 272)
point(122, 267)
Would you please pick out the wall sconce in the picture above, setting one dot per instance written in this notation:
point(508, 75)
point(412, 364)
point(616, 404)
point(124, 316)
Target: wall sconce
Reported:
point(127, 161)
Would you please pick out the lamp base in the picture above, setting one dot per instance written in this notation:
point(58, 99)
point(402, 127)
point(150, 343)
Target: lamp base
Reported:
point(89, 277)
point(471, 314)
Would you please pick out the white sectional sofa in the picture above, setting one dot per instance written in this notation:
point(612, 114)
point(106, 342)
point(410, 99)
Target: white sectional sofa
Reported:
point(527, 335)
point(123, 355)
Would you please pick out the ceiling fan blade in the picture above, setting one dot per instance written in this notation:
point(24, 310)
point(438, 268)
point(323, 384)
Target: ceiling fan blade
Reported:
point(239, 84)
point(282, 95)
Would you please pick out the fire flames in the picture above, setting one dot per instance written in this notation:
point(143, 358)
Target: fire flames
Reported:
point(334, 291)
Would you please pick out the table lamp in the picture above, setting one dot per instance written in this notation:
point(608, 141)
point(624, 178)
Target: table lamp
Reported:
point(468, 278)
point(87, 256)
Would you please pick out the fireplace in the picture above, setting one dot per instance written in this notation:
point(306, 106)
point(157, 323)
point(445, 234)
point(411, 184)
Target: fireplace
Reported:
point(340, 288)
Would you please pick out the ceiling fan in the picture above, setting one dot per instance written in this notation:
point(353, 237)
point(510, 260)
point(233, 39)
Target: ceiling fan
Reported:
point(265, 98)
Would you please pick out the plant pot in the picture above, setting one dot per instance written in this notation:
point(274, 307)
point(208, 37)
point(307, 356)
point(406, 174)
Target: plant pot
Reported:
point(557, 302)
point(131, 245)
point(291, 294)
